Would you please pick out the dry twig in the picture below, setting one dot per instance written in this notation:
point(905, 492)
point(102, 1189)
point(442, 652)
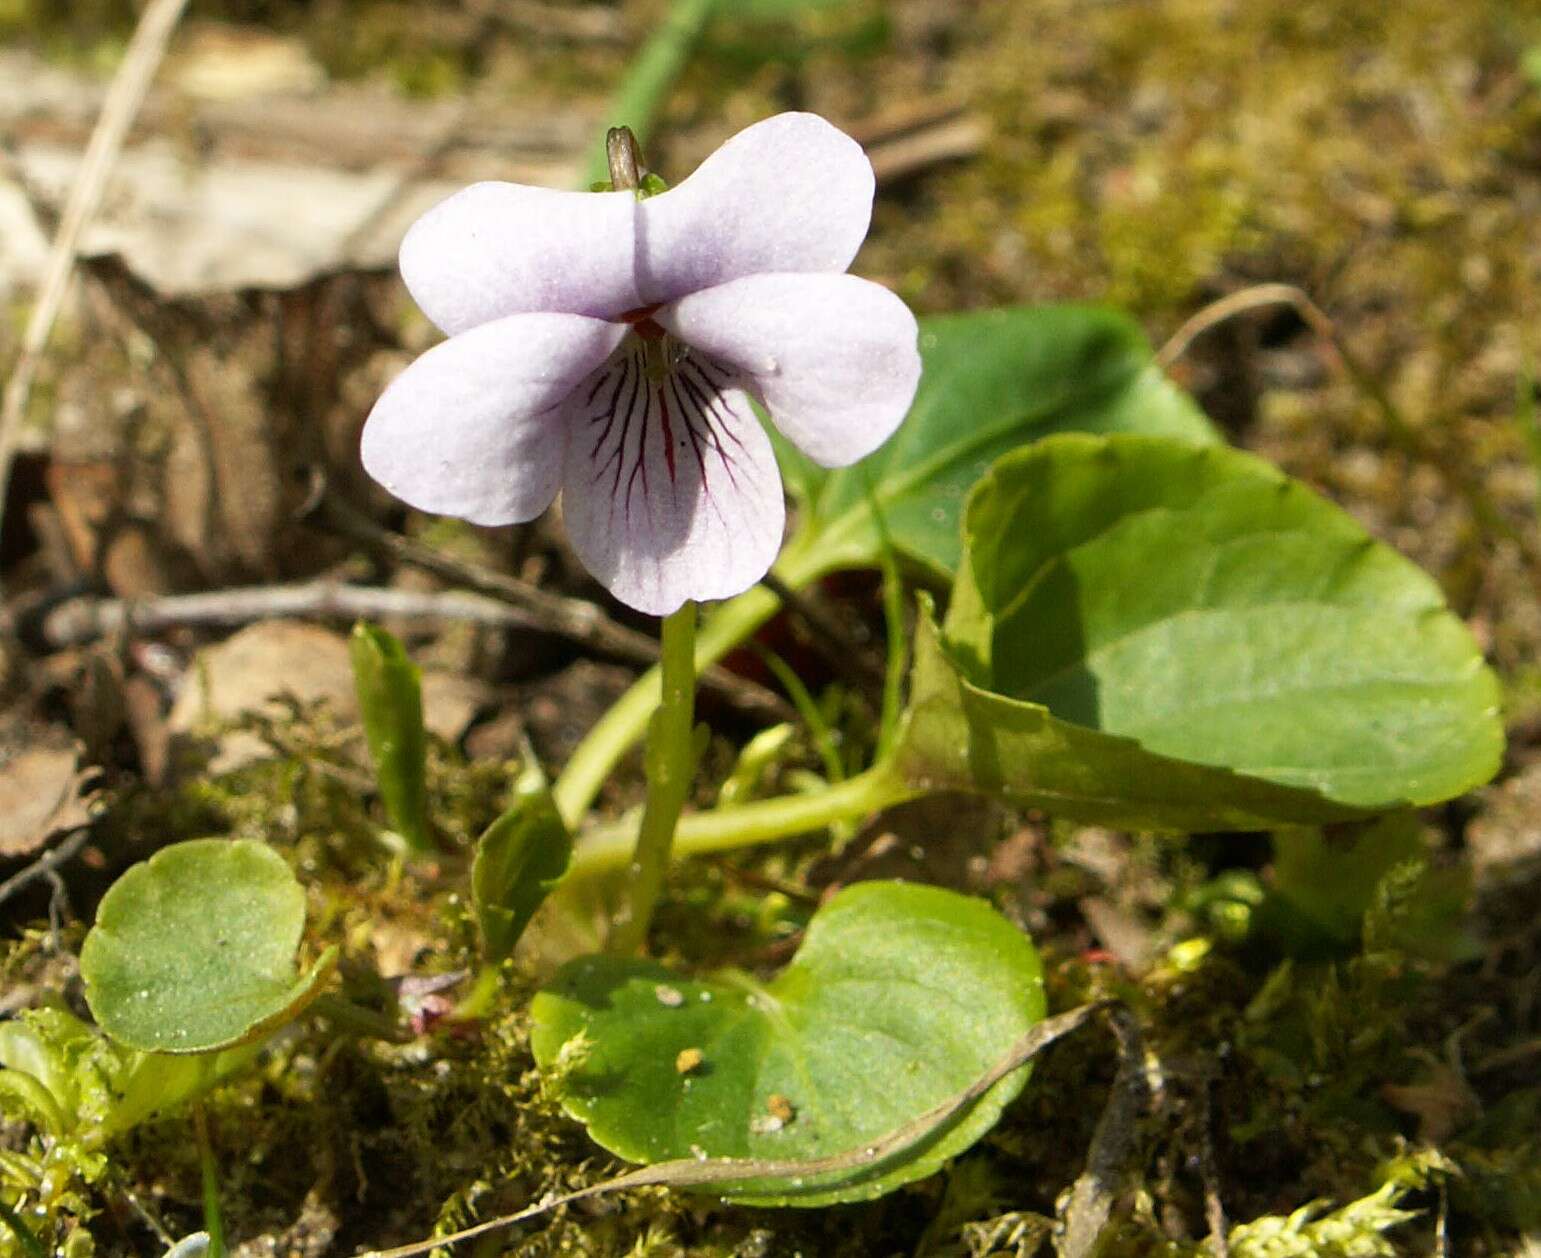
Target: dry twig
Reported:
point(1209, 1171)
point(571, 618)
point(911, 137)
point(46, 865)
point(84, 620)
point(124, 97)
point(1085, 1209)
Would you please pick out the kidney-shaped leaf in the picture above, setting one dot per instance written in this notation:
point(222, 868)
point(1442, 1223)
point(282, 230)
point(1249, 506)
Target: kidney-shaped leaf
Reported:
point(899, 998)
point(194, 949)
point(992, 380)
point(1156, 634)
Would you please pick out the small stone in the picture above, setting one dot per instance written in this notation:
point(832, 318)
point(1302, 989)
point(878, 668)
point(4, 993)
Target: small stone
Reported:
point(689, 1059)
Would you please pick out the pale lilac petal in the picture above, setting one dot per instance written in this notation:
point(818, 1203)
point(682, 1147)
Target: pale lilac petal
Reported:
point(496, 249)
point(474, 427)
point(834, 358)
point(791, 193)
point(670, 489)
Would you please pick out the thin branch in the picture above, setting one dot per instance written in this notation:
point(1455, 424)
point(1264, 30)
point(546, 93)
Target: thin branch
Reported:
point(85, 620)
point(45, 865)
point(1412, 442)
point(124, 97)
point(571, 618)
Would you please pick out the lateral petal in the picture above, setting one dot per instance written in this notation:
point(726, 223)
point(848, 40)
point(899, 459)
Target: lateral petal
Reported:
point(834, 358)
point(473, 428)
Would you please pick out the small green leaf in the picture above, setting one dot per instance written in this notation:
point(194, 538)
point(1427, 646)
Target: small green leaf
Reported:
point(519, 861)
point(390, 695)
point(992, 380)
point(899, 997)
point(194, 949)
point(1158, 635)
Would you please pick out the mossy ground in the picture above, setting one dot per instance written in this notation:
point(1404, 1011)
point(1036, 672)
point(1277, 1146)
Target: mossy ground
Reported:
point(1384, 158)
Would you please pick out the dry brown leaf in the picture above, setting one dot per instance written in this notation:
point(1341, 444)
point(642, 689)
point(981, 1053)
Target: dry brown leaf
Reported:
point(43, 791)
point(252, 670)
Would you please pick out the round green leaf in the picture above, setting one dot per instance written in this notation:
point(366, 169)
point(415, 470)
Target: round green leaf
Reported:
point(992, 380)
point(194, 949)
point(1156, 634)
point(899, 998)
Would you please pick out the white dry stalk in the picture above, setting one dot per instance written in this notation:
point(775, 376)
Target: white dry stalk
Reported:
point(120, 107)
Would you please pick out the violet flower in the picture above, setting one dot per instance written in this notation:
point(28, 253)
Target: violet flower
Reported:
point(604, 345)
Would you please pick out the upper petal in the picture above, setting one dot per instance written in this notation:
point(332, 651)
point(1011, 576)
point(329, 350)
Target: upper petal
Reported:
point(834, 358)
point(497, 249)
point(473, 428)
point(791, 193)
point(670, 489)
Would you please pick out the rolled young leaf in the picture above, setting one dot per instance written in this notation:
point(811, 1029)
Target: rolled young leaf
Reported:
point(519, 861)
point(390, 695)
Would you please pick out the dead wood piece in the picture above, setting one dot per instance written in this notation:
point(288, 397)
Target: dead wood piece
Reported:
point(86, 619)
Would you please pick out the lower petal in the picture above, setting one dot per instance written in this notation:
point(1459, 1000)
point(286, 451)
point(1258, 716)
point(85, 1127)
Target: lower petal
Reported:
point(473, 428)
point(670, 489)
point(834, 358)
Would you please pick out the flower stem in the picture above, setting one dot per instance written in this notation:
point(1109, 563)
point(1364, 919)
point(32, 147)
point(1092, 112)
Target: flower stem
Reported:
point(671, 763)
point(213, 1216)
point(614, 733)
point(625, 722)
point(767, 821)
